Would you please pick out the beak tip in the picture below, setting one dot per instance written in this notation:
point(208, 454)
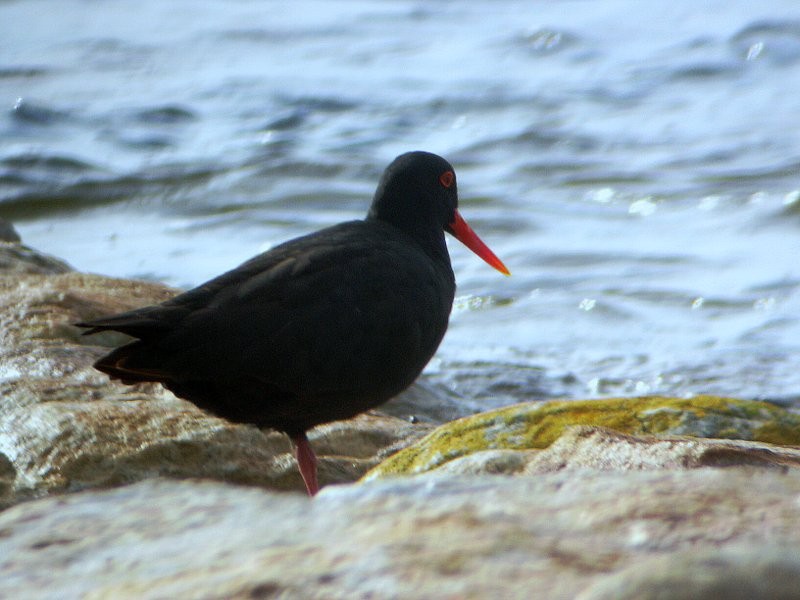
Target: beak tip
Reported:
point(466, 236)
point(503, 269)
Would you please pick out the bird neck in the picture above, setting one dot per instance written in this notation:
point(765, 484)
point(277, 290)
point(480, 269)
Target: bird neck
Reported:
point(430, 239)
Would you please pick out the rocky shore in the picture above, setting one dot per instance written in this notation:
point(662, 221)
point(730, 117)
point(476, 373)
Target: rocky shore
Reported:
point(111, 491)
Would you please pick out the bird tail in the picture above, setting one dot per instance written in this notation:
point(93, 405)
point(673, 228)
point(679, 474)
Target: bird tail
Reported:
point(129, 364)
point(138, 328)
point(145, 323)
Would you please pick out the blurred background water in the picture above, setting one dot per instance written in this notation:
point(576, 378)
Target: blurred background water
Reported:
point(635, 164)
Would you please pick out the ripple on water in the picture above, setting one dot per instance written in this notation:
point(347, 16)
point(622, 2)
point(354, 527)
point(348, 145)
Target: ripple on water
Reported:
point(776, 42)
point(636, 170)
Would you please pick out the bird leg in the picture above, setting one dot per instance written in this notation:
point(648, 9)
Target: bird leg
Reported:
point(307, 461)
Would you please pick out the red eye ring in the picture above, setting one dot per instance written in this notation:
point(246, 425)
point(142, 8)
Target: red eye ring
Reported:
point(447, 179)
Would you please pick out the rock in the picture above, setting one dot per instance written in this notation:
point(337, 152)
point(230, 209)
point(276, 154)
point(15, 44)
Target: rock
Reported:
point(18, 259)
point(68, 445)
point(499, 384)
point(37, 338)
point(380, 436)
point(67, 437)
point(8, 475)
point(607, 450)
point(7, 232)
point(557, 535)
point(429, 403)
point(535, 426)
point(584, 447)
point(66, 427)
point(738, 573)
point(484, 462)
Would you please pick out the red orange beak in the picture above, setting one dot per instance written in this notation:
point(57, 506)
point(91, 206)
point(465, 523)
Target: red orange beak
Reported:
point(470, 239)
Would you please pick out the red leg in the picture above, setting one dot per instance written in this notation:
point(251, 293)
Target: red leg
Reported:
point(307, 461)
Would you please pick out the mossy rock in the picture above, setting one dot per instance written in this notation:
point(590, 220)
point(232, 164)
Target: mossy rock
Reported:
point(536, 425)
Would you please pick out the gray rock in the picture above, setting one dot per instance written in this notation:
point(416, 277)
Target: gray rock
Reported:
point(66, 427)
point(18, 259)
point(97, 435)
point(429, 402)
point(598, 448)
point(608, 450)
point(8, 233)
point(552, 536)
point(8, 476)
point(738, 573)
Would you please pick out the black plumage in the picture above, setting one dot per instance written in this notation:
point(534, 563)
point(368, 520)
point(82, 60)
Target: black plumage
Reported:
point(320, 328)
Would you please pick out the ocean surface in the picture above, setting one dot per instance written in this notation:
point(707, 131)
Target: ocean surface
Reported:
point(635, 164)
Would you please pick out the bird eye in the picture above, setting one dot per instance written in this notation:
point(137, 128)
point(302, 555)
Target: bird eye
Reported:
point(447, 178)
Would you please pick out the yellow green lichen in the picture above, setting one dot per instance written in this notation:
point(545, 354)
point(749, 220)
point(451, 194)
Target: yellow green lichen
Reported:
point(777, 433)
point(537, 425)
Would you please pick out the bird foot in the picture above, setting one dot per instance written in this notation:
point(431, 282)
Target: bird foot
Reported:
point(307, 461)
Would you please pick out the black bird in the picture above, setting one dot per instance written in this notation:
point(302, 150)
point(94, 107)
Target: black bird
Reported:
point(320, 328)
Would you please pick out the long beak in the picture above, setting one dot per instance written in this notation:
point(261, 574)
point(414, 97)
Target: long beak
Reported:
point(470, 239)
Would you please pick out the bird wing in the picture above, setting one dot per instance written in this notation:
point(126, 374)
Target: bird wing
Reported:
point(301, 315)
point(152, 322)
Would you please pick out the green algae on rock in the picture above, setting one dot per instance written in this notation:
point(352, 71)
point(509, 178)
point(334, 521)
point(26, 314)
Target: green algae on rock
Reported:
point(532, 426)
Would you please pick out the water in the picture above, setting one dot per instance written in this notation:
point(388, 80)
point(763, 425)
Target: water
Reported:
point(636, 165)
